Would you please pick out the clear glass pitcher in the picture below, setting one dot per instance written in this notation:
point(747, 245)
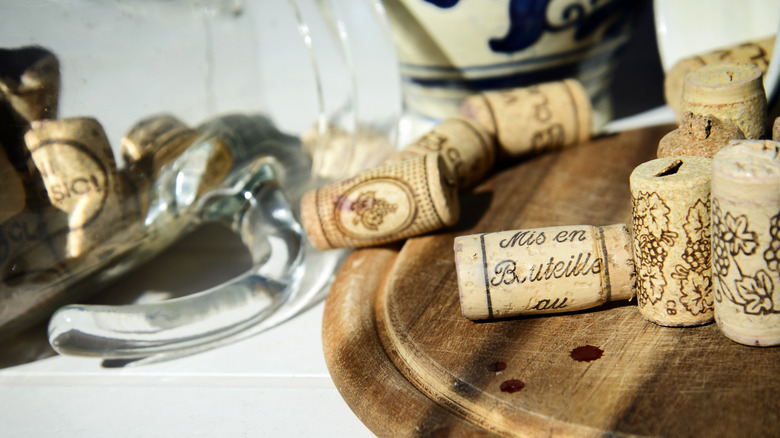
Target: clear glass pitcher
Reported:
point(125, 125)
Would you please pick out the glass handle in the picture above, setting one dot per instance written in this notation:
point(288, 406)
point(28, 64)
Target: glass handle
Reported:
point(256, 208)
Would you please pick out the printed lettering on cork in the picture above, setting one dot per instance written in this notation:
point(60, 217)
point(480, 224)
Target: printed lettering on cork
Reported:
point(543, 270)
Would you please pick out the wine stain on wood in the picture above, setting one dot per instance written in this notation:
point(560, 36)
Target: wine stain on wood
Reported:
point(586, 353)
point(431, 357)
point(512, 385)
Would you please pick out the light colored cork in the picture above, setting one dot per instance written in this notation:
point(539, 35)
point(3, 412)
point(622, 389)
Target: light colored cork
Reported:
point(756, 52)
point(153, 146)
point(671, 235)
point(533, 119)
point(543, 270)
point(776, 130)
point(468, 150)
point(746, 241)
point(159, 139)
point(77, 165)
point(698, 135)
point(30, 82)
point(728, 91)
point(12, 195)
point(382, 205)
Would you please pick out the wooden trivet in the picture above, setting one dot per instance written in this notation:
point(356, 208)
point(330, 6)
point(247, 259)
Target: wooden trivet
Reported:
point(409, 364)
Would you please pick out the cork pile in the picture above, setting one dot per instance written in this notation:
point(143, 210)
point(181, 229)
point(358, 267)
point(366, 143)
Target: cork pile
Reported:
point(66, 209)
point(704, 242)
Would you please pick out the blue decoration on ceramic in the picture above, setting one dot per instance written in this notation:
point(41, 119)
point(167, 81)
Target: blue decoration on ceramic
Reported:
point(467, 46)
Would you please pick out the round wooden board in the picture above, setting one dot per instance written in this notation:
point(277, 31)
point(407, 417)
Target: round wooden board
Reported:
point(408, 363)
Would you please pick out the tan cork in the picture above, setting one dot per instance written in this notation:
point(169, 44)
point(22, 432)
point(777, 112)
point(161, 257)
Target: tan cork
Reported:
point(776, 130)
point(728, 91)
point(698, 135)
point(533, 119)
point(746, 241)
point(543, 270)
point(30, 82)
point(671, 235)
point(468, 150)
point(78, 169)
point(153, 145)
point(757, 52)
point(158, 139)
point(382, 205)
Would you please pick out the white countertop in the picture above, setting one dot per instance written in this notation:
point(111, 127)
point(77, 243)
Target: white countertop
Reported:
point(273, 384)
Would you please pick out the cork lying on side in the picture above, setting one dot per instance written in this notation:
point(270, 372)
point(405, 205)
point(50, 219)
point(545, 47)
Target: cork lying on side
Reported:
point(543, 270)
point(468, 150)
point(533, 119)
point(382, 205)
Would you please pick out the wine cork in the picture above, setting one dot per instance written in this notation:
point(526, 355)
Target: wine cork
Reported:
point(776, 130)
point(754, 52)
point(77, 165)
point(154, 146)
point(533, 119)
point(746, 241)
point(468, 150)
point(12, 195)
point(543, 270)
point(381, 205)
point(155, 143)
point(157, 140)
point(670, 200)
point(728, 91)
point(698, 135)
point(30, 82)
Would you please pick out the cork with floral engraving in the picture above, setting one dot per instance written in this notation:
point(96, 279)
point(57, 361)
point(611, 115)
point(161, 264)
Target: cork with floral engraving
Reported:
point(746, 241)
point(382, 205)
point(671, 234)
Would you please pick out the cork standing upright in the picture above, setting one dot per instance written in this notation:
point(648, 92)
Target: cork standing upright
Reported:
point(728, 91)
point(746, 241)
point(757, 52)
point(81, 179)
point(671, 204)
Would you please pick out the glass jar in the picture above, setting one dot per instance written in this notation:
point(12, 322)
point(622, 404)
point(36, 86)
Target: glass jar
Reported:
point(128, 125)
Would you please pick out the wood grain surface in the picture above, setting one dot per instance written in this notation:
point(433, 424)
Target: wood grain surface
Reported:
point(409, 364)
